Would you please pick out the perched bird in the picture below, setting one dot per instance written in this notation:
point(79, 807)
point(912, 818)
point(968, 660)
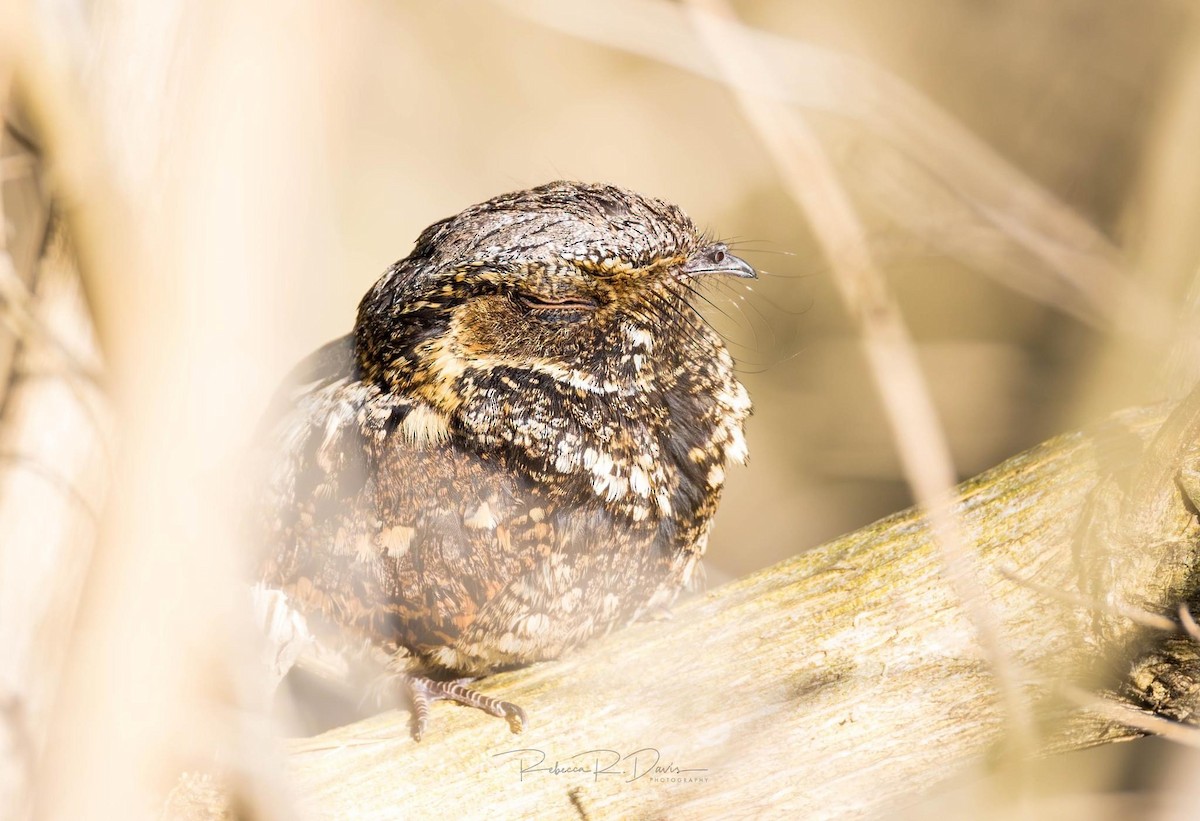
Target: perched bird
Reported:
point(520, 446)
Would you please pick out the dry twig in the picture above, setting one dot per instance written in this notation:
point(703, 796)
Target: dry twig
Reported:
point(812, 182)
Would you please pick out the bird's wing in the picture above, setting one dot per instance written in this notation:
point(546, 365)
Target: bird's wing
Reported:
point(376, 519)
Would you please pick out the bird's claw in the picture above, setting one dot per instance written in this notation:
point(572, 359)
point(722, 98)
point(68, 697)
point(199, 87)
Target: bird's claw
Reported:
point(423, 691)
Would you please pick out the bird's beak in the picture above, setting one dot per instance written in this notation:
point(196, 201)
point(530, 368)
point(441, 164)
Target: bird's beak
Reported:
point(716, 259)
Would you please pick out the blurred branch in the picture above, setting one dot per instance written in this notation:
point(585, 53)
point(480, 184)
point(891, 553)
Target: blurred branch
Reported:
point(969, 196)
point(50, 485)
point(1126, 715)
point(1168, 247)
point(811, 180)
point(841, 682)
point(22, 321)
point(148, 680)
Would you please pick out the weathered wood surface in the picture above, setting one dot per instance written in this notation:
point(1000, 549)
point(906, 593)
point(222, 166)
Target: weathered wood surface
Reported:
point(844, 681)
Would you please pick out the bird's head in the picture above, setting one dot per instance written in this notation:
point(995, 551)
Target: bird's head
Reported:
point(565, 279)
point(564, 302)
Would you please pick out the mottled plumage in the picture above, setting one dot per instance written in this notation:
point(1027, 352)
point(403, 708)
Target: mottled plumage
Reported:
point(520, 446)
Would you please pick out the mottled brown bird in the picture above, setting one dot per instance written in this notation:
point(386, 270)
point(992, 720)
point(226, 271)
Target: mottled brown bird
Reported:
point(520, 446)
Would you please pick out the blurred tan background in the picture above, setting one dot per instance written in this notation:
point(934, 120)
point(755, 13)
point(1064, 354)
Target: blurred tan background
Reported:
point(439, 106)
point(1025, 171)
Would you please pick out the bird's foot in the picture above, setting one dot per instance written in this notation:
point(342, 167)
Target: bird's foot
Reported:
point(424, 691)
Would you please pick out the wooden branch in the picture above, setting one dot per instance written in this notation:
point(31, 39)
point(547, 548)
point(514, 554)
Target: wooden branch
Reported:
point(841, 682)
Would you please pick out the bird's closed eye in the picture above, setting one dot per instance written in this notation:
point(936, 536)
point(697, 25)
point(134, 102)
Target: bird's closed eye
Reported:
point(569, 307)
